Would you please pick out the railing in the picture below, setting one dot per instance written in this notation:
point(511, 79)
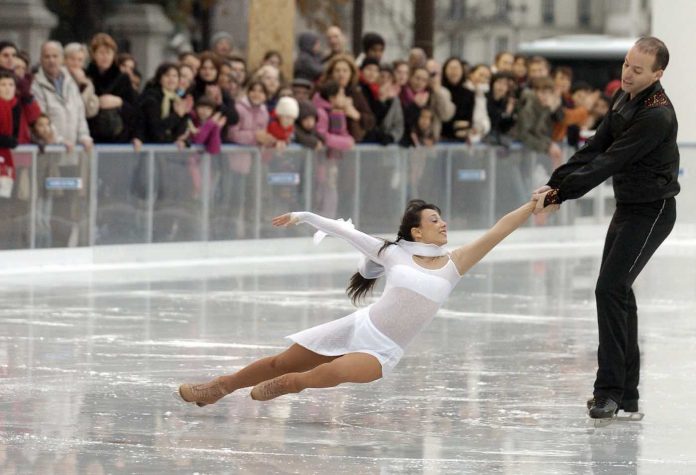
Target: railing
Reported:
point(115, 195)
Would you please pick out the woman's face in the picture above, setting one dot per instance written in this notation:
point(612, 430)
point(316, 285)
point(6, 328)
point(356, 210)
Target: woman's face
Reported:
point(274, 60)
point(480, 75)
point(432, 229)
point(104, 57)
point(170, 80)
point(419, 80)
point(185, 77)
point(501, 86)
point(256, 95)
point(271, 79)
point(519, 68)
point(371, 73)
point(128, 66)
point(208, 72)
point(42, 127)
point(20, 67)
point(401, 74)
point(454, 72)
point(75, 60)
point(342, 73)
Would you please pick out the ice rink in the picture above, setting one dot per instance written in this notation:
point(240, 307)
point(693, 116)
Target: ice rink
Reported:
point(496, 384)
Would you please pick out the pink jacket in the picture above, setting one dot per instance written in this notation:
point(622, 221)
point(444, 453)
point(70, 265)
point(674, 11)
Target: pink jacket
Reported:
point(332, 126)
point(251, 119)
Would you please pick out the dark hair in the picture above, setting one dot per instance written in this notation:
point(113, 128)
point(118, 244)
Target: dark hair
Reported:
point(652, 45)
point(329, 89)
point(7, 74)
point(563, 70)
point(162, 69)
point(359, 286)
point(205, 101)
point(445, 80)
point(252, 83)
point(581, 86)
point(371, 39)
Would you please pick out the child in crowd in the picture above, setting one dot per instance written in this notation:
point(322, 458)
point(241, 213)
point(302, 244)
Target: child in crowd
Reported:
point(210, 124)
point(44, 133)
point(281, 125)
point(423, 134)
point(306, 127)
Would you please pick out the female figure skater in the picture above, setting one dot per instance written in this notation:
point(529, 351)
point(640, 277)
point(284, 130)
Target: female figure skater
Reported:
point(367, 344)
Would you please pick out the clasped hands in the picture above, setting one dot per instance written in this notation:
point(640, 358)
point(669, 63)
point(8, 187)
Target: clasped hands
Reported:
point(539, 195)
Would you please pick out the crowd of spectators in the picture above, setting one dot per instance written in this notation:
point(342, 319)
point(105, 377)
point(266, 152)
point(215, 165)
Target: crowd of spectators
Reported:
point(86, 94)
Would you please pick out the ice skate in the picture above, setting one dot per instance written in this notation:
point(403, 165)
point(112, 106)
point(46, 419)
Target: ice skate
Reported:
point(603, 410)
point(201, 394)
point(628, 410)
point(272, 388)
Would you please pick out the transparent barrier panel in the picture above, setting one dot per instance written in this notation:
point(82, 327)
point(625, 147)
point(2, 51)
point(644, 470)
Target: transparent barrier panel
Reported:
point(62, 199)
point(426, 176)
point(180, 182)
point(382, 189)
point(122, 212)
point(234, 195)
point(16, 204)
point(334, 184)
point(472, 174)
point(285, 185)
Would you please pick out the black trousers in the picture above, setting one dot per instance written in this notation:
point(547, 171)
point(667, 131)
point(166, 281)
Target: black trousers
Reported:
point(635, 233)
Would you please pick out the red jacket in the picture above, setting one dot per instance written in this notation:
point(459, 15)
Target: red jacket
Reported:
point(279, 132)
point(15, 118)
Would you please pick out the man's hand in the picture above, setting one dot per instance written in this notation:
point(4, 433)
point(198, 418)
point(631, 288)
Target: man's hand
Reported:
point(541, 205)
point(284, 220)
point(87, 143)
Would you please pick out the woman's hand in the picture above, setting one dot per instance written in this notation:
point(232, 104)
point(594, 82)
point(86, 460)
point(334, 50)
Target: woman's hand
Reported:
point(284, 220)
point(540, 199)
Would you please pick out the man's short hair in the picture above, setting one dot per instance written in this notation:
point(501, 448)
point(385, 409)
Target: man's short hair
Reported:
point(543, 84)
point(371, 39)
point(655, 46)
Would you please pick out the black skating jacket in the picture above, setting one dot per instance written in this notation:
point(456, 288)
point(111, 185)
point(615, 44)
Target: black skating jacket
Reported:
point(636, 145)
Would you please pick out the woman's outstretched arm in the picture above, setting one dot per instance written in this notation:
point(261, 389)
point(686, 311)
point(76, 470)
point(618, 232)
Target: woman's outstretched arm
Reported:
point(465, 257)
point(368, 245)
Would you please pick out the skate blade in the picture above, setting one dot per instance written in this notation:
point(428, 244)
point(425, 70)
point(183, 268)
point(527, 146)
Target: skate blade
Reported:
point(630, 416)
point(598, 423)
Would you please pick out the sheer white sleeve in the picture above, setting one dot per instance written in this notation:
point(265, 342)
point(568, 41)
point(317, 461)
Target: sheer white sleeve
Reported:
point(364, 243)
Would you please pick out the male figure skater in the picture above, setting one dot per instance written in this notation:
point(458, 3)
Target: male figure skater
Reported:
point(636, 146)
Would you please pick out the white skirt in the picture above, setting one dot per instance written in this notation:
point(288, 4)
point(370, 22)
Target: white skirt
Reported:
point(354, 333)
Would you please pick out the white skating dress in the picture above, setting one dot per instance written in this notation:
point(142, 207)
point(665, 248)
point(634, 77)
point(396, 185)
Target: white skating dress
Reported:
point(411, 298)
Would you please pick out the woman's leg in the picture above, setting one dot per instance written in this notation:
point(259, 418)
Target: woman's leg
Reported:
point(350, 368)
point(295, 359)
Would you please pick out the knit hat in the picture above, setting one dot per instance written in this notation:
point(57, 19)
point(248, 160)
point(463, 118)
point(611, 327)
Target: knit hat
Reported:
point(287, 106)
point(307, 109)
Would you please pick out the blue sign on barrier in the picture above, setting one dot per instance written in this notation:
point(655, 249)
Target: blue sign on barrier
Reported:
point(283, 179)
point(63, 183)
point(471, 175)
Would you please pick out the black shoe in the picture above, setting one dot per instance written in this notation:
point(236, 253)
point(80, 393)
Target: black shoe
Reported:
point(627, 405)
point(603, 408)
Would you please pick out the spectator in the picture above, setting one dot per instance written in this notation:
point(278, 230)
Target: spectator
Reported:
point(239, 69)
point(162, 113)
point(503, 62)
point(206, 125)
point(190, 59)
point(453, 78)
point(535, 121)
point(253, 117)
point(501, 109)
point(368, 80)
point(8, 57)
point(330, 101)
point(206, 84)
point(302, 89)
point(44, 133)
point(16, 115)
point(598, 112)
point(421, 93)
point(372, 47)
point(281, 125)
point(75, 55)
point(519, 69)
point(221, 44)
point(273, 58)
point(59, 97)
point(186, 80)
point(576, 113)
point(21, 64)
point(342, 69)
point(127, 65)
point(115, 92)
point(308, 64)
point(563, 79)
point(388, 113)
point(479, 83)
point(336, 41)
point(306, 127)
point(401, 73)
point(422, 135)
point(270, 77)
point(417, 58)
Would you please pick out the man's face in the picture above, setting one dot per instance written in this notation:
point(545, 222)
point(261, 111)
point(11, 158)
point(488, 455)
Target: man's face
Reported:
point(537, 70)
point(51, 60)
point(7, 88)
point(7, 57)
point(375, 51)
point(335, 38)
point(637, 73)
point(505, 62)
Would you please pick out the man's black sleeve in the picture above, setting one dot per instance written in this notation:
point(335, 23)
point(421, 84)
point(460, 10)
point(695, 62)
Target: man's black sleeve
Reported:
point(649, 129)
point(595, 145)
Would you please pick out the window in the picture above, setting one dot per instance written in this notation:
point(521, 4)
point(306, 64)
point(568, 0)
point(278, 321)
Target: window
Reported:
point(502, 8)
point(457, 9)
point(548, 12)
point(584, 15)
point(501, 44)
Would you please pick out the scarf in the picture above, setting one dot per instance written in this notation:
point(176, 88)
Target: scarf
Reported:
point(169, 96)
